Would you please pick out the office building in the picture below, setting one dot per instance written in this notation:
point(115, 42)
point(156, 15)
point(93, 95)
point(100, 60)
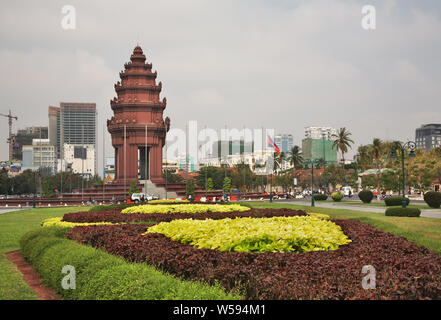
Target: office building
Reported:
point(74, 124)
point(80, 159)
point(318, 144)
point(222, 148)
point(285, 142)
point(39, 155)
point(24, 137)
point(428, 136)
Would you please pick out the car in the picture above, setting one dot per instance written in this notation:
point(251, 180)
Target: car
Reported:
point(347, 190)
point(140, 197)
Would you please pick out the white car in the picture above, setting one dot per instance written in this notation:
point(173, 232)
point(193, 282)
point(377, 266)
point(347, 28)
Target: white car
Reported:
point(138, 197)
point(347, 191)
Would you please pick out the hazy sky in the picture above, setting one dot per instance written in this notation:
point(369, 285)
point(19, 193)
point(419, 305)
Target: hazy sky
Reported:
point(278, 64)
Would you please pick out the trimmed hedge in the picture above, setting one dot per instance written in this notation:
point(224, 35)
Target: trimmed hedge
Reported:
point(366, 196)
point(433, 199)
point(320, 197)
point(408, 271)
point(395, 201)
point(403, 212)
point(100, 275)
point(337, 196)
point(111, 207)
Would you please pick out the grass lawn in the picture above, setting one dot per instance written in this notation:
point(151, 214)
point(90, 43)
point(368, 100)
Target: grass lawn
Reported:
point(377, 204)
point(423, 231)
point(12, 226)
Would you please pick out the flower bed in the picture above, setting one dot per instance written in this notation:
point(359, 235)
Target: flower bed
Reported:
point(57, 222)
point(187, 208)
point(116, 216)
point(276, 234)
point(168, 201)
point(404, 270)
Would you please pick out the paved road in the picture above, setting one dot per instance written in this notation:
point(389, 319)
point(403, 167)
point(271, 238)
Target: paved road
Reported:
point(5, 210)
point(428, 213)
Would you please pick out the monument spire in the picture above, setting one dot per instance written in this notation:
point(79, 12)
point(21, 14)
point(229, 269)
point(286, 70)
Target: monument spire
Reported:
point(138, 106)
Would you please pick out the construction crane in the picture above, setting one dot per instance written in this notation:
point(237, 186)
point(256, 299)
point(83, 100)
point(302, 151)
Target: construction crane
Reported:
point(11, 143)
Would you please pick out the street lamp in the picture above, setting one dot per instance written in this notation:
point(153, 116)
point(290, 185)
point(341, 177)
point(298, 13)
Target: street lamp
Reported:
point(324, 162)
point(402, 147)
point(315, 162)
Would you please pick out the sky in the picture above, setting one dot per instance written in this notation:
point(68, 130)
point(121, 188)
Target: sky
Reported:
point(278, 64)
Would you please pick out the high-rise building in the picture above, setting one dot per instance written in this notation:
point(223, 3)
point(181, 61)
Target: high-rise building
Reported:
point(54, 128)
point(39, 155)
point(74, 124)
point(222, 148)
point(25, 137)
point(318, 144)
point(80, 159)
point(428, 136)
point(285, 142)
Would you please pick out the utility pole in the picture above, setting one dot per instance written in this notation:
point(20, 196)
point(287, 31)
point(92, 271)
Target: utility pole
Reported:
point(11, 143)
point(82, 163)
point(125, 164)
point(324, 164)
point(104, 163)
point(145, 162)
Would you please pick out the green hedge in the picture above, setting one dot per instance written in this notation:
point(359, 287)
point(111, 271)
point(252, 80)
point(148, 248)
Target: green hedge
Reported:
point(366, 196)
point(403, 212)
point(395, 201)
point(110, 206)
point(320, 197)
point(433, 199)
point(100, 275)
point(337, 196)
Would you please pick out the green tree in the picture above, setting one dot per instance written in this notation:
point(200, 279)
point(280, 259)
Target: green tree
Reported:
point(390, 180)
point(295, 157)
point(227, 185)
point(210, 185)
point(364, 158)
point(342, 142)
point(48, 188)
point(189, 187)
point(133, 187)
point(242, 176)
point(171, 176)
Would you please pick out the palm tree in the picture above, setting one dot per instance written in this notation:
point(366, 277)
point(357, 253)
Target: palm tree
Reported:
point(377, 151)
point(295, 157)
point(342, 142)
point(363, 156)
point(278, 160)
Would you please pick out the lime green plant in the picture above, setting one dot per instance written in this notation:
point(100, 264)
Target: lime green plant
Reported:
point(56, 222)
point(185, 208)
point(276, 234)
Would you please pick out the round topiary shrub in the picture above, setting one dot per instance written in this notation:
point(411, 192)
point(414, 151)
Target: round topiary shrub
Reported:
point(395, 201)
point(403, 212)
point(433, 199)
point(320, 197)
point(366, 196)
point(337, 196)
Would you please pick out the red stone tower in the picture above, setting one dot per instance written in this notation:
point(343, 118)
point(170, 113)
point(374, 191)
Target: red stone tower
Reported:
point(138, 111)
